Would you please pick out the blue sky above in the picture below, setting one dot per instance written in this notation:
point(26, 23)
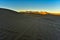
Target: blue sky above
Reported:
point(40, 5)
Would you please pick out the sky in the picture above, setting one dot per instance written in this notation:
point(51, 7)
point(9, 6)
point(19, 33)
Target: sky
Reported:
point(39, 5)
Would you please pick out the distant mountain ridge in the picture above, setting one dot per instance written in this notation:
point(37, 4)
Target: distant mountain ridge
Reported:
point(29, 12)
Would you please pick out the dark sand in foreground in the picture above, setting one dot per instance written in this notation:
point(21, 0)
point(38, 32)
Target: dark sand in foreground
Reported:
point(15, 26)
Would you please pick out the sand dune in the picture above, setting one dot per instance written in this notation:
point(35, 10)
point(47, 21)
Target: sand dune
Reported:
point(14, 26)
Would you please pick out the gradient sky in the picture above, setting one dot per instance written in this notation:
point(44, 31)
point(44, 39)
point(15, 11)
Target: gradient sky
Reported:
point(40, 5)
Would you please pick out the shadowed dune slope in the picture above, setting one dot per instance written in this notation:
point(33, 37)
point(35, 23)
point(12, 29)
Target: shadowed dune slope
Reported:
point(14, 26)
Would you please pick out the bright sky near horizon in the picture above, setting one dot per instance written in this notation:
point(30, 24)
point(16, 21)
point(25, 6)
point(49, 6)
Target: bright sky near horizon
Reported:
point(39, 5)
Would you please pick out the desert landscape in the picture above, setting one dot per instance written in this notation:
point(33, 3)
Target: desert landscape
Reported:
point(23, 26)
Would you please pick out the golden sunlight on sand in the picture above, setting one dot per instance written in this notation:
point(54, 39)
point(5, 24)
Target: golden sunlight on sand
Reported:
point(43, 13)
point(40, 12)
point(58, 14)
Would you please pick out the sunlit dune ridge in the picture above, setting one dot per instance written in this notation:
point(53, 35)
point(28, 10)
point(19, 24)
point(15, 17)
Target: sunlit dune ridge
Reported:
point(35, 12)
point(40, 12)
